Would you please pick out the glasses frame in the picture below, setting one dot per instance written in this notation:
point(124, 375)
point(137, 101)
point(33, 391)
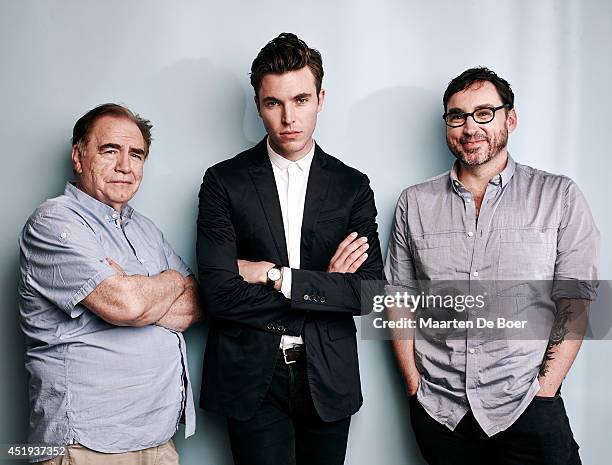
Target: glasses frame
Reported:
point(465, 115)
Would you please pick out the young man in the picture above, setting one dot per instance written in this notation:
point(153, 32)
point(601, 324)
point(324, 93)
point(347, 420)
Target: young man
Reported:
point(478, 399)
point(286, 234)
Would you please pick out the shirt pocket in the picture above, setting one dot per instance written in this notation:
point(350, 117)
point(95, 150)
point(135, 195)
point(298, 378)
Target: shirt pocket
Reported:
point(433, 258)
point(525, 257)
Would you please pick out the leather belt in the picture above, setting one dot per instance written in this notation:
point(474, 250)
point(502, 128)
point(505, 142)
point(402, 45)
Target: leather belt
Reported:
point(291, 355)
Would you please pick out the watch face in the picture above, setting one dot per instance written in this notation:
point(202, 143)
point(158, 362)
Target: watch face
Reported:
point(274, 274)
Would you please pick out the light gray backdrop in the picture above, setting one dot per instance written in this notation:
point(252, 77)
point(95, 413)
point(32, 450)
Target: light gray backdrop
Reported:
point(185, 66)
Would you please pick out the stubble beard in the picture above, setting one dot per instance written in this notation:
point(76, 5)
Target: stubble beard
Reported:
point(479, 155)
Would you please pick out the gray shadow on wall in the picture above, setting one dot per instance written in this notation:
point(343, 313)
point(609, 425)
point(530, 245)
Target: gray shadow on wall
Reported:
point(399, 136)
point(15, 415)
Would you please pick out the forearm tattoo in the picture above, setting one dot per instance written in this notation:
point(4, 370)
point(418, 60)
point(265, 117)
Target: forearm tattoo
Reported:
point(557, 334)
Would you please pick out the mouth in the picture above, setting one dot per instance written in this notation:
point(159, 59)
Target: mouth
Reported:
point(290, 134)
point(121, 183)
point(472, 143)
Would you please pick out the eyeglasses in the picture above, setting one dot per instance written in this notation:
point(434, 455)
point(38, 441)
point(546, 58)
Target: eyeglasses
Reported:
point(485, 115)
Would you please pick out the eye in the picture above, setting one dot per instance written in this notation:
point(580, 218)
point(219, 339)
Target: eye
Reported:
point(455, 117)
point(110, 151)
point(271, 103)
point(302, 100)
point(484, 114)
point(138, 156)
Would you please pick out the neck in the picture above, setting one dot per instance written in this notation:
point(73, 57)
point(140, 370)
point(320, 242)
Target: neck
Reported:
point(476, 178)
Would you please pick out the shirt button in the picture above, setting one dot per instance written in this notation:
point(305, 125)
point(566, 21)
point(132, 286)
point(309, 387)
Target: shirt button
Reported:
point(106, 217)
point(472, 351)
point(475, 273)
point(63, 235)
point(115, 215)
point(468, 200)
point(182, 388)
point(470, 233)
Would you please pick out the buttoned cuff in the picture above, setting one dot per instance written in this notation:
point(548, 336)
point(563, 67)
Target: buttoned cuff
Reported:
point(286, 284)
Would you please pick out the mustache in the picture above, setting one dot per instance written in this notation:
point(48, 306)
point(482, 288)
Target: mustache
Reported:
point(474, 138)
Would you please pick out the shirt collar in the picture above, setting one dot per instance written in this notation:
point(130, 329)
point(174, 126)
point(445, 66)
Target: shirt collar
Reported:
point(283, 164)
point(96, 207)
point(500, 180)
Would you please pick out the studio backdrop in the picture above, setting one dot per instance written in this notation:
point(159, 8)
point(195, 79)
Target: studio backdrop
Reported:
point(184, 65)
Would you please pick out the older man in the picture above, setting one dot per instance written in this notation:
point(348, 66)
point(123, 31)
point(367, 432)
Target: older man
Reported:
point(478, 398)
point(103, 301)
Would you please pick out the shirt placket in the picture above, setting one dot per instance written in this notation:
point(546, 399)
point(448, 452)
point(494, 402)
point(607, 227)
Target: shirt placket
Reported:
point(478, 231)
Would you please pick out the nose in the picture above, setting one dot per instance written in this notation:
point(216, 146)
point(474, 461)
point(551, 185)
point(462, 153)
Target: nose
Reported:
point(470, 127)
point(123, 164)
point(288, 114)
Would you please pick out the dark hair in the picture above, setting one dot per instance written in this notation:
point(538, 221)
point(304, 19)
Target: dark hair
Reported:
point(283, 54)
point(479, 74)
point(80, 132)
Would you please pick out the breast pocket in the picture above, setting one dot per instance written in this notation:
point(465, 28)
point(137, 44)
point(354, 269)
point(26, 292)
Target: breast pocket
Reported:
point(433, 257)
point(526, 261)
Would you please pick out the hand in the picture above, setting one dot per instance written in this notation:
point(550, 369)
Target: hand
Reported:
point(116, 267)
point(412, 386)
point(545, 389)
point(349, 255)
point(254, 272)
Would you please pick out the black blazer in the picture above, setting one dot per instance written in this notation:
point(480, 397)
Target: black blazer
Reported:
point(240, 217)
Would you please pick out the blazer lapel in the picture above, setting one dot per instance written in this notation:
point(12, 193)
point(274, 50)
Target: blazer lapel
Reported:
point(316, 193)
point(265, 185)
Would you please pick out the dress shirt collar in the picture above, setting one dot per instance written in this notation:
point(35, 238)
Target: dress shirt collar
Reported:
point(499, 180)
point(282, 163)
point(96, 207)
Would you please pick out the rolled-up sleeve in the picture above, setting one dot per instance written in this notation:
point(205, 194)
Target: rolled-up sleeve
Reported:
point(64, 260)
point(399, 266)
point(577, 249)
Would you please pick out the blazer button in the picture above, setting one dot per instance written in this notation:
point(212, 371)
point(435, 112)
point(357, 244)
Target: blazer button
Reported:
point(306, 297)
point(316, 298)
point(323, 300)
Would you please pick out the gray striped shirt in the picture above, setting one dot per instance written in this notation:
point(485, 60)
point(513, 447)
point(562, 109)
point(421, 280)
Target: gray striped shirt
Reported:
point(532, 225)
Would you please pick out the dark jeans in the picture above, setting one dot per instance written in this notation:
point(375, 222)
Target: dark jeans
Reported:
point(286, 429)
point(540, 436)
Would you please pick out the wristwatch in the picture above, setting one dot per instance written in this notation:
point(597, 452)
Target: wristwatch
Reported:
point(273, 275)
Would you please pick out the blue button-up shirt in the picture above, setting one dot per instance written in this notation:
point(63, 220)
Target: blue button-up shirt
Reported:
point(111, 388)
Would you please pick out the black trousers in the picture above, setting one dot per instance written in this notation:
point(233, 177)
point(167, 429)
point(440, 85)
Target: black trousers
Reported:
point(541, 436)
point(286, 429)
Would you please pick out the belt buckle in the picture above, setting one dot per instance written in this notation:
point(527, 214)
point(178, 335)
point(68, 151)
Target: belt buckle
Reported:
point(287, 362)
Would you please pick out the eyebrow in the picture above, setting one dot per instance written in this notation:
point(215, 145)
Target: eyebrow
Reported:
point(476, 108)
point(298, 96)
point(117, 147)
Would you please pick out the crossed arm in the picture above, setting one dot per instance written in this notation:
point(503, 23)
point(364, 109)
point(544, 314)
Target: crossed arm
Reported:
point(349, 256)
point(167, 299)
point(231, 288)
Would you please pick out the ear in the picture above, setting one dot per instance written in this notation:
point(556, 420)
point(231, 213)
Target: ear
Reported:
point(256, 100)
point(76, 157)
point(511, 120)
point(321, 98)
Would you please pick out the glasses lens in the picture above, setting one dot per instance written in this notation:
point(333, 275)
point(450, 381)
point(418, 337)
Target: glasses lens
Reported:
point(484, 115)
point(455, 119)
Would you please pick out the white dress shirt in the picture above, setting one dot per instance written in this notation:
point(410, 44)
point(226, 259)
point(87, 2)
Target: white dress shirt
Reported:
point(291, 181)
